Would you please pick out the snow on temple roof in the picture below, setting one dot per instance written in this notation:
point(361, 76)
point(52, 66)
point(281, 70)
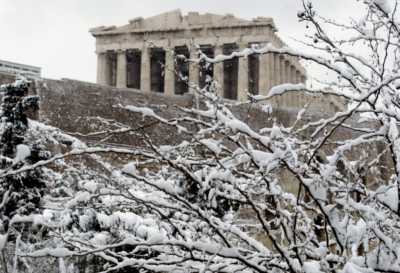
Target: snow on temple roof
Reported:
point(175, 21)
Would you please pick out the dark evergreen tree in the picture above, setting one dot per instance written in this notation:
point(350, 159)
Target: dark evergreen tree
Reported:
point(21, 193)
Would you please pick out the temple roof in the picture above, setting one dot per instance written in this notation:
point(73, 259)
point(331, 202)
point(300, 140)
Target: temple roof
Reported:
point(175, 21)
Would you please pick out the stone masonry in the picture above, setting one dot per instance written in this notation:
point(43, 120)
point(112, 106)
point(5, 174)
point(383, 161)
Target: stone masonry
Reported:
point(142, 55)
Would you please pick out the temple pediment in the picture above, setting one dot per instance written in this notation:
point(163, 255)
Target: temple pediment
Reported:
point(175, 20)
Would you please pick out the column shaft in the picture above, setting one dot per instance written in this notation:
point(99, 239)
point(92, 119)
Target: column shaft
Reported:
point(121, 69)
point(169, 73)
point(263, 75)
point(145, 70)
point(102, 68)
point(293, 74)
point(298, 77)
point(243, 76)
point(277, 68)
point(271, 71)
point(219, 71)
point(287, 72)
point(287, 99)
point(282, 69)
point(274, 76)
point(304, 97)
point(194, 71)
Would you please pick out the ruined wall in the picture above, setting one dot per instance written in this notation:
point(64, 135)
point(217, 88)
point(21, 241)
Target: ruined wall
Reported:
point(75, 106)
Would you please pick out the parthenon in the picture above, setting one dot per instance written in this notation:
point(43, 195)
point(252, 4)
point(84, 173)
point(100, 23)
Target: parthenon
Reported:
point(142, 54)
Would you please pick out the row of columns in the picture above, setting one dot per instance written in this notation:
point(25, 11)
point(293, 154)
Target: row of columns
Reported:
point(273, 69)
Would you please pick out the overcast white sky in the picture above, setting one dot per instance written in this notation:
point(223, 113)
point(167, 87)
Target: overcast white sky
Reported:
point(53, 34)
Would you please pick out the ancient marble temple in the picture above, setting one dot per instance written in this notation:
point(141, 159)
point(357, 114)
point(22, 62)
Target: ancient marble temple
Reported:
point(142, 54)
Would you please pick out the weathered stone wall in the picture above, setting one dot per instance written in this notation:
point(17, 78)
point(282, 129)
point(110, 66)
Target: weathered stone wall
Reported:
point(81, 107)
point(84, 108)
point(75, 106)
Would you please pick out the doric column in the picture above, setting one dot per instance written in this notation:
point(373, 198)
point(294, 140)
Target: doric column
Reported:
point(243, 75)
point(102, 68)
point(293, 78)
point(271, 71)
point(111, 68)
point(285, 100)
point(219, 71)
point(277, 68)
point(301, 95)
point(297, 100)
point(121, 69)
point(303, 80)
point(287, 72)
point(282, 69)
point(298, 76)
point(279, 62)
point(263, 75)
point(169, 72)
point(194, 71)
point(145, 70)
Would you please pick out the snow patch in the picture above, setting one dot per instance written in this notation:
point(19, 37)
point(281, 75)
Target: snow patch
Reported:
point(388, 196)
point(212, 144)
point(129, 168)
point(384, 5)
point(283, 88)
point(3, 241)
point(312, 267)
point(23, 151)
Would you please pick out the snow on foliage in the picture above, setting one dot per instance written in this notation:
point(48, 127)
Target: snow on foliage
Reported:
point(280, 90)
point(23, 151)
point(384, 5)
